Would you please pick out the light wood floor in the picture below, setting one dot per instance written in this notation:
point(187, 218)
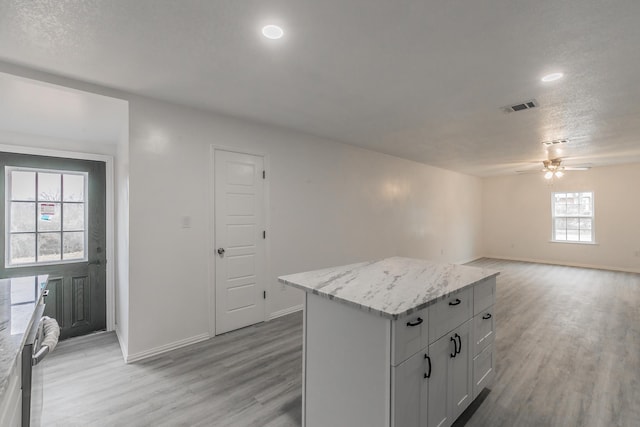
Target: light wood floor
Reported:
point(568, 354)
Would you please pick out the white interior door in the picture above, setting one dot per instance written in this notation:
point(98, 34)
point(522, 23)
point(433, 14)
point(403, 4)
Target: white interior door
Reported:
point(240, 248)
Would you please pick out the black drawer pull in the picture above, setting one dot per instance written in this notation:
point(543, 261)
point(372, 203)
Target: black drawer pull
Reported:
point(455, 347)
point(428, 373)
point(456, 302)
point(416, 323)
point(459, 349)
point(487, 316)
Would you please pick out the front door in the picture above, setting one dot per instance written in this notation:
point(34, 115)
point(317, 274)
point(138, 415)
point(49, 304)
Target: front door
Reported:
point(54, 223)
point(239, 237)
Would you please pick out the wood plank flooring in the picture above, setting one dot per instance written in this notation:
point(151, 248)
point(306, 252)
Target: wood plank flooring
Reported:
point(568, 354)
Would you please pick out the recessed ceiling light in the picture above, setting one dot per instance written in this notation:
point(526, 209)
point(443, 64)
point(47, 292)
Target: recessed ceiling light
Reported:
point(272, 32)
point(552, 77)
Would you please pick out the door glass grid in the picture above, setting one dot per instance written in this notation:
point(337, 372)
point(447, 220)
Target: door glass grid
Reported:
point(46, 216)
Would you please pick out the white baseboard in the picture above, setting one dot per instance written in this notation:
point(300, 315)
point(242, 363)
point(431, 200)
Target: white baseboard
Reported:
point(566, 263)
point(164, 348)
point(123, 346)
point(284, 312)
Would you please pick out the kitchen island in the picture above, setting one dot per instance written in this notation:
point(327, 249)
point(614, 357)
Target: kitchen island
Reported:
point(398, 342)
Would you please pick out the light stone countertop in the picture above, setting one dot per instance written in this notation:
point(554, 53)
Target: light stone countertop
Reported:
point(392, 287)
point(18, 299)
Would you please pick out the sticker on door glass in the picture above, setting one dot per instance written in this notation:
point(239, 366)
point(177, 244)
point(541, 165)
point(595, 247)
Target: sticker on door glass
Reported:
point(47, 210)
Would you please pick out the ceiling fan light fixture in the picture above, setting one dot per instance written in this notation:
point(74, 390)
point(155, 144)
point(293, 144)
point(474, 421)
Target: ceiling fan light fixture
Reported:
point(559, 174)
point(548, 175)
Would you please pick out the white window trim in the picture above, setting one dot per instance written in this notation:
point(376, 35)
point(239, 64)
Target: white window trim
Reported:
point(7, 217)
point(593, 220)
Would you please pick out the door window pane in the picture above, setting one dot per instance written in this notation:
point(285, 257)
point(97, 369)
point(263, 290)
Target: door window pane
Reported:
point(48, 216)
point(49, 247)
point(73, 214)
point(49, 186)
point(73, 247)
point(23, 248)
point(73, 186)
point(23, 217)
point(23, 185)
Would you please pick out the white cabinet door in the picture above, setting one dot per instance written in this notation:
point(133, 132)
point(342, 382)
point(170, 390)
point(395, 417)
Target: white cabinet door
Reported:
point(461, 365)
point(439, 412)
point(410, 392)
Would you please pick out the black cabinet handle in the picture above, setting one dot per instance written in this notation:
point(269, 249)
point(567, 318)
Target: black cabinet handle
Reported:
point(487, 316)
point(455, 347)
point(456, 302)
point(428, 373)
point(416, 323)
point(459, 349)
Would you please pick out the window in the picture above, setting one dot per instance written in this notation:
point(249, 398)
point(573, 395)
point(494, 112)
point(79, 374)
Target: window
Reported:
point(45, 217)
point(572, 217)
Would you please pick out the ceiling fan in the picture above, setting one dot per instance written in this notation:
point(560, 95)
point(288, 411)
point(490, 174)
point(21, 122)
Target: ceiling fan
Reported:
point(553, 167)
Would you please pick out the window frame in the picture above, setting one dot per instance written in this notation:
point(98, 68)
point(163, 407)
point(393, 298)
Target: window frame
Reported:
point(554, 217)
point(8, 200)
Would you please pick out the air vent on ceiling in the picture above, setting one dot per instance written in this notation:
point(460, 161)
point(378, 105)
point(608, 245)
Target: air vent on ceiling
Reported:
point(527, 105)
point(554, 142)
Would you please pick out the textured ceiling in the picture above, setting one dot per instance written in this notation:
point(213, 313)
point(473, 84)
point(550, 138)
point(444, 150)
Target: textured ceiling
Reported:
point(423, 80)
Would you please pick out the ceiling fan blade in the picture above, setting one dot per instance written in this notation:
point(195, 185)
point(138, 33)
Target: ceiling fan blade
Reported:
point(531, 171)
point(577, 168)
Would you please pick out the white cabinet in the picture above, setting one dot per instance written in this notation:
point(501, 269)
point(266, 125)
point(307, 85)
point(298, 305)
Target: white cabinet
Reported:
point(410, 392)
point(460, 372)
point(450, 383)
point(439, 383)
point(11, 398)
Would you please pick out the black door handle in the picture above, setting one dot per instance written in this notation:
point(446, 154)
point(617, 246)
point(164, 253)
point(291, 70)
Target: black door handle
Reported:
point(455, 347)
point(428, 373)
point(416, 323)
point(459, 349)
point(220, 251)
point(487, 316)
point(456, 302)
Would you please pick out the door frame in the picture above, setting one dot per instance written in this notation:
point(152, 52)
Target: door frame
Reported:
point(211, 263)
point(110, 224)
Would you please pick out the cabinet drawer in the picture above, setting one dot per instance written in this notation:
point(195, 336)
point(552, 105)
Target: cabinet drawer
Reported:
point(410, 334)
point(484, 295)
point(483, 330)
point(483, 370)
point(449, 313)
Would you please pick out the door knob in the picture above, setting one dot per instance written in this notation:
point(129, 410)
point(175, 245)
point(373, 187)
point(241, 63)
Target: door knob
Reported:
point(220, 251)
